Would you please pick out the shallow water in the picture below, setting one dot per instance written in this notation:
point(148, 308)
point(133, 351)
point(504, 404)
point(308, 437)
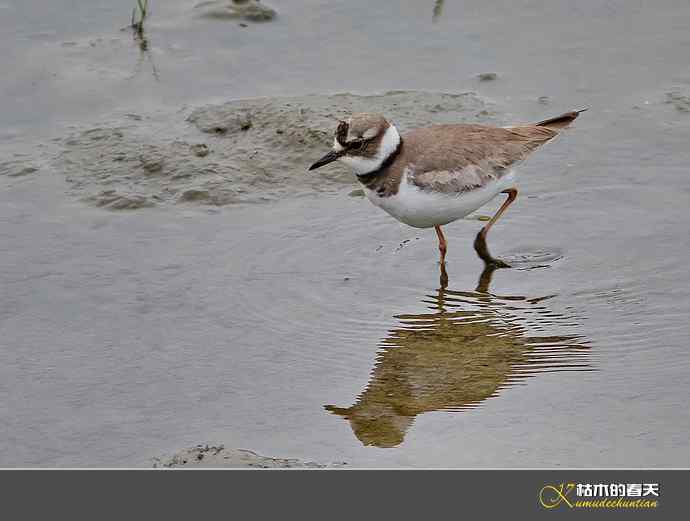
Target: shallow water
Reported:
point(310, 325)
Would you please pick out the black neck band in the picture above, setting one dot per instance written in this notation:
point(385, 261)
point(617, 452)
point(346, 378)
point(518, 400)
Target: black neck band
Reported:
point(368, 177)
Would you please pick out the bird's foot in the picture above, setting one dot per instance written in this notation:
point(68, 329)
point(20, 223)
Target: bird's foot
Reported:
point(496, 263)
point(483, 252)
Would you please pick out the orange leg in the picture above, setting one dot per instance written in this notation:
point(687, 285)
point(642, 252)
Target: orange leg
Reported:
point(480, 242)
point(442, 244)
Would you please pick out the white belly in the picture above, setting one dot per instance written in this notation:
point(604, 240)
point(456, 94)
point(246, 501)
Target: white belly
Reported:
point(425, 209)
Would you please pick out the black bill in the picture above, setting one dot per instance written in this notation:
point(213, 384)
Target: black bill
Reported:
point(328, 158)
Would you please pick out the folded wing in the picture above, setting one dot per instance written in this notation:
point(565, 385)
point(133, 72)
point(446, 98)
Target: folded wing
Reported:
point(466, 157)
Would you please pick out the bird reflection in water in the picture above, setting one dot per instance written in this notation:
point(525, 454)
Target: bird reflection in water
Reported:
point(469, 347)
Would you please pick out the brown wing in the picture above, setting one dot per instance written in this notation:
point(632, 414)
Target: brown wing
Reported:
point(459, 158)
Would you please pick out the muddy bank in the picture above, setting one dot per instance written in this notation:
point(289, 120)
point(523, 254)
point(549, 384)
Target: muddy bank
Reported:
point(17, 168)
point(247, 10)
point(218, 456)
point(679, 99)
point(244, 151)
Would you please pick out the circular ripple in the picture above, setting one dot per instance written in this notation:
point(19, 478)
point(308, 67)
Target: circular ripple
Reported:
point(532, 258)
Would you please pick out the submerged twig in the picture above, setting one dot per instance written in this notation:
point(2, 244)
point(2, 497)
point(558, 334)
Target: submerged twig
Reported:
point(137, 25)
point(438, 10)
point(143, 10)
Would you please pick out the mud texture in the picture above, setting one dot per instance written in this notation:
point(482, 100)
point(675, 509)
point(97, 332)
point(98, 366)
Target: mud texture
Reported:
point(249, 10)
point(17, 168)
point(487, 76)
point(244, 151)
point(679, 99)
point(210, 456)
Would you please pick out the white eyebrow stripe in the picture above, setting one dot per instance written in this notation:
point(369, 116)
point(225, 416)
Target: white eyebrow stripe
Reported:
point(364, 165)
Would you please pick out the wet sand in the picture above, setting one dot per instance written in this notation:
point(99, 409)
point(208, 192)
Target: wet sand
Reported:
point(159, 294)
point(245, 151)
point(212, 456)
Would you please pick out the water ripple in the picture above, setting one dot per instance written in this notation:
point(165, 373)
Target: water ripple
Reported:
point(469, 347)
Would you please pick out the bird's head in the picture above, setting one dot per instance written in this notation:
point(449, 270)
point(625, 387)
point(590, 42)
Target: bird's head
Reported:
point(363, 142)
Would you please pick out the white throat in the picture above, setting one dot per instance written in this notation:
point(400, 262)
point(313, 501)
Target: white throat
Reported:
point(365, 165)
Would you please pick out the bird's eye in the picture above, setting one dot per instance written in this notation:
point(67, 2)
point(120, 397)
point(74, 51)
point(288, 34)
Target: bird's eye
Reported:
point(357, 145)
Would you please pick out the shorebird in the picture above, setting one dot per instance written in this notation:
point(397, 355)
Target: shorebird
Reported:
point(433, 176)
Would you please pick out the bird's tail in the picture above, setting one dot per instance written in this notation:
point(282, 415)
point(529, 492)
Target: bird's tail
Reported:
point(560, 122)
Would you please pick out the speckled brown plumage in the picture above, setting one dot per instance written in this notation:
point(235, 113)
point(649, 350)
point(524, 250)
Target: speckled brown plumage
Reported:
point(459, 158)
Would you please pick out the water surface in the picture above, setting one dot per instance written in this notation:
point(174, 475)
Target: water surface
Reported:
point(313, 326)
